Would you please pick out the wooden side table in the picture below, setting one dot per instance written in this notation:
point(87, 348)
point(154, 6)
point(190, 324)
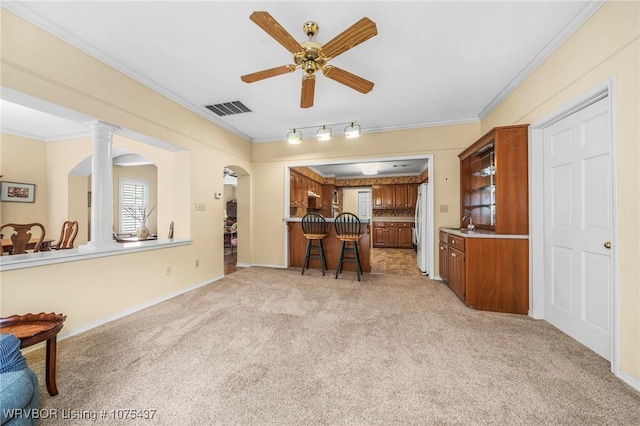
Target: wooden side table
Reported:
point(36, 328)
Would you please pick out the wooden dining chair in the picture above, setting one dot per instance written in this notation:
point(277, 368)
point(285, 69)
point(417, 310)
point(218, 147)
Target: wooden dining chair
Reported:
point(21, 237)
point(67, 235)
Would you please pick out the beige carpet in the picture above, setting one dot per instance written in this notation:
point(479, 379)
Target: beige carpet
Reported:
point(266, 346)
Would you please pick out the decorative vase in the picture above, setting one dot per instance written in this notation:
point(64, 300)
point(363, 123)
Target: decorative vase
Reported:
point(142, 232)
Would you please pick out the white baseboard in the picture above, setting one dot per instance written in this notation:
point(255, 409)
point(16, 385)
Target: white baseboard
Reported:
point(263, 265)
point(133, 309)
point(631, 381)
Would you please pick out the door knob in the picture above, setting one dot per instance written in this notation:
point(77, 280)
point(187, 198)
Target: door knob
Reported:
point(607, 245)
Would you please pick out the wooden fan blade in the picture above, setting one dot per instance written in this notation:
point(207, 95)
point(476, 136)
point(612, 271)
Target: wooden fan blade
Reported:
point(348, 79)
point(308, 89)
point(265, 21)
point(361, 31)
point(271, 72)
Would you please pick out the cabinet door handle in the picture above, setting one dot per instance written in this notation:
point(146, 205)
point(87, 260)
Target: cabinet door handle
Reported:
point(453, 255)
point(453, 241)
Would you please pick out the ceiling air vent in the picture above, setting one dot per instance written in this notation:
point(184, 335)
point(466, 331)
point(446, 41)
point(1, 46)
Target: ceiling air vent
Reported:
point(228, 108)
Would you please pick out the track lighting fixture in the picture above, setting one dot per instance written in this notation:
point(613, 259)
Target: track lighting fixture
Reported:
point(324, 132)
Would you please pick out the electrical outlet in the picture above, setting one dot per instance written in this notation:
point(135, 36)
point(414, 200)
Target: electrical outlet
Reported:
point(168, 271)
point(444, 208)
point(200, 207)
point(197, 262)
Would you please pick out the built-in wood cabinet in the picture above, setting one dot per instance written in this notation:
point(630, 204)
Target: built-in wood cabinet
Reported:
point(489, 274)
point(412, 194)
point(444, 258)
point(405, 239)
point(489, 269)
point(298, 188)
point(399, 196)
point(494, 181)
point(392, 234)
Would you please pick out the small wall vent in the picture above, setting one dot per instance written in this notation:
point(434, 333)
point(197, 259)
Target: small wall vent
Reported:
point(228, 108)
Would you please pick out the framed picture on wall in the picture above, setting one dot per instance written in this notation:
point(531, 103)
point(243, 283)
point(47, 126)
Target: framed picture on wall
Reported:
point(17, 192)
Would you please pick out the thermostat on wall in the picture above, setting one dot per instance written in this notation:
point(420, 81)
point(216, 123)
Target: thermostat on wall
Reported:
point(218, 195)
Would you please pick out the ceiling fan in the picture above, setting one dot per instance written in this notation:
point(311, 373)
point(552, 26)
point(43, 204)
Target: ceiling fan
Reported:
point(311, 56)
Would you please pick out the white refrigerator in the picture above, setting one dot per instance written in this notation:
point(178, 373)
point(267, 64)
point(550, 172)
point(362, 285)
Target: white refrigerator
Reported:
point(423, 229)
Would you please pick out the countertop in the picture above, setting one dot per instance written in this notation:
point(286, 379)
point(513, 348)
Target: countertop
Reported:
point(481, 233)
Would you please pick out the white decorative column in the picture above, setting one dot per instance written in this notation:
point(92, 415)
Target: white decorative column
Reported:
point(101, 184)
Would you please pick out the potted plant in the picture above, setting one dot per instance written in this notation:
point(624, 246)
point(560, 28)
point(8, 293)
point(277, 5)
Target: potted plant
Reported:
point(140, 214)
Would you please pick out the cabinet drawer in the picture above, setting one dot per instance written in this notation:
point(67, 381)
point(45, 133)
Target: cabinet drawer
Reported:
point(379, 224)
point(455, 241)
point(391, 224)
point(444, 237)
point(404, 224)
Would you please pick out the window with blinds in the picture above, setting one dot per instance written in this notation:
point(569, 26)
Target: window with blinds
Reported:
point(133, 194)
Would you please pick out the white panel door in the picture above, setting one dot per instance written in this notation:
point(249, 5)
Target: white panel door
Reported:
point(364, 205)
point(578, 226)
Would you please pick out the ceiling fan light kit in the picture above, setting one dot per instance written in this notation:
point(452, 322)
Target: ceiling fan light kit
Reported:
point(310, 56)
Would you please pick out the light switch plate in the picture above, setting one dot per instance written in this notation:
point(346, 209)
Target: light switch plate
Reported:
point(444, 208)
point(200, 207)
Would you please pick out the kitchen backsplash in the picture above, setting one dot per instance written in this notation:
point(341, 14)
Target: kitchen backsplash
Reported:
point(393, 213)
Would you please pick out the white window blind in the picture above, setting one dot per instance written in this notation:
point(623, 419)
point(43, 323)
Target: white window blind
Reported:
point(133, 194)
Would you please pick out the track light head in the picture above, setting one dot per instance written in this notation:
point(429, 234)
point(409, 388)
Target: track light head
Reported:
point(323, 134)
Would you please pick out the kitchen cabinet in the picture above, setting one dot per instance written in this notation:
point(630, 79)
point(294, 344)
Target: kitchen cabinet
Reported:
point(327, 197)
point(392, 234)
point(494, 181)
point(316, 203)
point(489, 273)
point(400, 196)
point(383, 196)
point(412, 195)
point(444, 259)
point(405, 239)
point(299, 187)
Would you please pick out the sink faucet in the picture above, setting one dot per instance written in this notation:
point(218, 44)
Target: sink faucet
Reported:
point(470, 226)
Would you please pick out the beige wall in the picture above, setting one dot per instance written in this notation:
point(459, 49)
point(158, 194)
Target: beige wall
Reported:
point(38, 64)
point(270, 160)
point(15, 154)
point(604, 47)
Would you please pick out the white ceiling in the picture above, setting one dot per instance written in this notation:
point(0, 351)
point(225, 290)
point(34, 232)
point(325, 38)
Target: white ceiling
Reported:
point(432, 63)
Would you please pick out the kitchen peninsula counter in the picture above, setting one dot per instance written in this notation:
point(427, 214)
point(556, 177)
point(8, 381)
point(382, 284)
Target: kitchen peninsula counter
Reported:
point(298, 246)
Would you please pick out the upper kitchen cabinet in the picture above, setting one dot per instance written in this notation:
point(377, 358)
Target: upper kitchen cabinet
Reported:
point(398, 196)
point(494, 181)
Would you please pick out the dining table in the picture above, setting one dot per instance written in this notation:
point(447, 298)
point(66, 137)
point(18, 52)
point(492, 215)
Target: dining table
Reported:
point(7, 245)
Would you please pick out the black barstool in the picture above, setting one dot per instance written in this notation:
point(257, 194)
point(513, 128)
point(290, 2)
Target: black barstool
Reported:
point(314, 228)
point(348, 230)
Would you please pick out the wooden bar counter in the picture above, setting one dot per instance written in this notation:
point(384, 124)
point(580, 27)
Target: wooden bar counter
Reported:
point(298, 246)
